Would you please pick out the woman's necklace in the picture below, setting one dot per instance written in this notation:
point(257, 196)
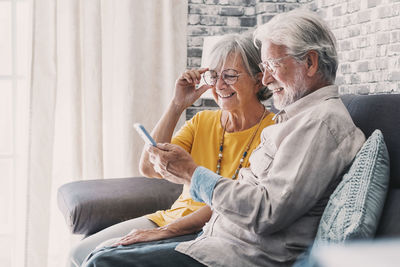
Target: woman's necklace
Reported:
point(221, 147)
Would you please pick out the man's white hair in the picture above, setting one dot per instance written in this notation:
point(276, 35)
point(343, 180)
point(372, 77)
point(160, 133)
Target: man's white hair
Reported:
point(302, 31)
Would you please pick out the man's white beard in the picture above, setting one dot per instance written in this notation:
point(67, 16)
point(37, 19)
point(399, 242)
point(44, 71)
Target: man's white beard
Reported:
point(291, 92)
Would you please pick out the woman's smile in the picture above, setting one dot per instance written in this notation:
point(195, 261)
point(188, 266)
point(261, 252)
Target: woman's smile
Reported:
point(225, 95)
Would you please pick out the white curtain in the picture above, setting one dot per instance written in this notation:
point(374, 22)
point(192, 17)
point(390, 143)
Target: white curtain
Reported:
point(98, 66)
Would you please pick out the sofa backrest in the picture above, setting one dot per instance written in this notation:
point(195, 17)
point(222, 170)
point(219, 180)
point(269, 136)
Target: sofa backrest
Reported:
point(370, 112)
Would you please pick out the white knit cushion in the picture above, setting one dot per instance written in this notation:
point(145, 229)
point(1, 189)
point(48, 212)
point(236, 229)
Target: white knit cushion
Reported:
point(355, 206)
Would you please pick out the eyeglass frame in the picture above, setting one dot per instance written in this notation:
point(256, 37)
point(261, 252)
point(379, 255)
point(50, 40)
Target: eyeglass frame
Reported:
point(219, 76)
point(266, 66)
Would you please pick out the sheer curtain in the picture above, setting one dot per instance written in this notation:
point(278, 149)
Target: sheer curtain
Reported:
point(97, 67)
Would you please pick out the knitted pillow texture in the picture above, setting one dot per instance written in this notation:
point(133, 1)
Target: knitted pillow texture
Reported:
point(355, 206)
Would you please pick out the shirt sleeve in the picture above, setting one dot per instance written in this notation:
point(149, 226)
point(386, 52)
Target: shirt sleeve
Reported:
point(288, 183)
point(202, 185)
point(185, 135)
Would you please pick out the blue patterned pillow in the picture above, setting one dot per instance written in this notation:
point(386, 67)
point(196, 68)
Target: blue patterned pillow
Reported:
point(355, 206)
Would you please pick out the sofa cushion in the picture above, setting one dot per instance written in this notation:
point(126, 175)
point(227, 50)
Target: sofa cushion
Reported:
point(355, 206)
point(370, 112)
point(389, 223)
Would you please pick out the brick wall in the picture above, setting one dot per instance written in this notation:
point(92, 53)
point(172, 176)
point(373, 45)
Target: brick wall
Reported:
point(212, 17)
point(218, 17)
point(368, 38)
point(367, 32)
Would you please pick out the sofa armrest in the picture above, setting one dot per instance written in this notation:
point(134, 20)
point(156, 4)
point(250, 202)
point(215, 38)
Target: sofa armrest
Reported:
point(92, 205)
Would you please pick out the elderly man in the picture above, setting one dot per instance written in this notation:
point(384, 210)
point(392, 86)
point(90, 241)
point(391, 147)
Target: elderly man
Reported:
point(270, 214)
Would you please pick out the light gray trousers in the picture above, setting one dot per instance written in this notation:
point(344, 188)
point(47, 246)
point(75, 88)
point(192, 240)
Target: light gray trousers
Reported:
point(87, 245)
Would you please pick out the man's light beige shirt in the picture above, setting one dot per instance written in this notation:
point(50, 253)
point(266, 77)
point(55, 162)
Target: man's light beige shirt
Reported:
point(271, 213)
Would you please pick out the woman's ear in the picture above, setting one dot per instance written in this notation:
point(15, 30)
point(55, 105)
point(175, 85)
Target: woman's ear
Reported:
point(312, 63)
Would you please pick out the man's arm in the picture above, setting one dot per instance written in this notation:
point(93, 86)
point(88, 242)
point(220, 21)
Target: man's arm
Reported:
point(304, 166)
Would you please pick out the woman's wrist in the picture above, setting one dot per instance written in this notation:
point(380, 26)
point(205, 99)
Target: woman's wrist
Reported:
point(171, 230)
point(175, 229)
point(177, 107)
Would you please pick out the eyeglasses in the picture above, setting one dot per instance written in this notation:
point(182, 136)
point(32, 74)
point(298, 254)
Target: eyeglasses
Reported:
point(229, 76)
point(271, 65)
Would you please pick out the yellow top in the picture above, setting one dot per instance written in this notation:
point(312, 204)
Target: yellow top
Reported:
point(201, 137)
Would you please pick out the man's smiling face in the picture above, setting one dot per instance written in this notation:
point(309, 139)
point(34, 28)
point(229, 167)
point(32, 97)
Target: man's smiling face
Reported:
point(287, 81)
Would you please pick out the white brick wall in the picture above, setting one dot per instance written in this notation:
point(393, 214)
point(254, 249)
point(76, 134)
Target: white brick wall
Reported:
point(216, 17)
point(368, 37)
point(367, 33)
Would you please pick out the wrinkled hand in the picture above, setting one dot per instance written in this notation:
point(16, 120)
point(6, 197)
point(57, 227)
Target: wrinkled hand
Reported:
point(185, 87)
point(172, 162)
point(143, 235)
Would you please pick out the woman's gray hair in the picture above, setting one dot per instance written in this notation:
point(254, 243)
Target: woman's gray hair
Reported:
point(302, 31)
point(243, 45)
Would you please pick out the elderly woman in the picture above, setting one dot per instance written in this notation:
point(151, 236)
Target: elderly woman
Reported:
point(220, 140)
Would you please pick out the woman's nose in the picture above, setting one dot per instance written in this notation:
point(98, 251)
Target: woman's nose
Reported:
point(220, 84)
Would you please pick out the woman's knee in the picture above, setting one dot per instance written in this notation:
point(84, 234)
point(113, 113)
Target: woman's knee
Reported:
point(80, 251)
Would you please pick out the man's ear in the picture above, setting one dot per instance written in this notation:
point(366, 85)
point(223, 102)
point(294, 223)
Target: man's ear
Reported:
point(312, 63)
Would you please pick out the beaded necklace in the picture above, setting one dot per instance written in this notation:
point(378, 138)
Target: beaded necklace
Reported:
point(221, 147)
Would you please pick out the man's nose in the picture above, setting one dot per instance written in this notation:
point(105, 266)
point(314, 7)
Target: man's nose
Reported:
point(267, 78)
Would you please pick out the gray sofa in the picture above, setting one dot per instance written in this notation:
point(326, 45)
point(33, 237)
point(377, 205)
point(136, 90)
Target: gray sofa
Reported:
point(89, 206)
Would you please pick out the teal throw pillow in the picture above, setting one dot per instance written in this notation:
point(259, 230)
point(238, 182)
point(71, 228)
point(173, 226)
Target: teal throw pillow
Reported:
point(355, 206)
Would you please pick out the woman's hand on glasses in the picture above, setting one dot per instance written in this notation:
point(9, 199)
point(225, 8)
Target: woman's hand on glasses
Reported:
point(186, 92)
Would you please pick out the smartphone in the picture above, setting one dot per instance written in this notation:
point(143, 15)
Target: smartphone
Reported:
point(144, 134)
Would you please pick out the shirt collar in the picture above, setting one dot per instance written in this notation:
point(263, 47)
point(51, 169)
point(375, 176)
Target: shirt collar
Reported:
point(318, 96)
